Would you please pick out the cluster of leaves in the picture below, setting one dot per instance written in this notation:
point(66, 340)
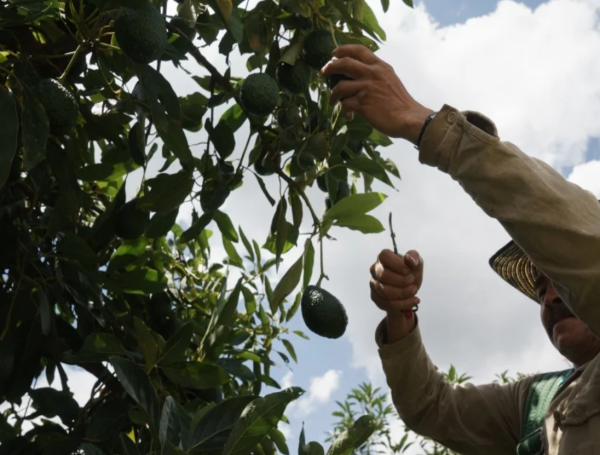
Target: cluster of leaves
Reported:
point(109, 282)
point(366, 400)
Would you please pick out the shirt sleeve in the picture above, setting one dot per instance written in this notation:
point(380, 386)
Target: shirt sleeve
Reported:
point(556, 222)
point(469, 419)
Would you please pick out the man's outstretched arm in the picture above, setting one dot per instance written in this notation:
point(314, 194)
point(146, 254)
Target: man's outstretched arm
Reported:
point(555, 222)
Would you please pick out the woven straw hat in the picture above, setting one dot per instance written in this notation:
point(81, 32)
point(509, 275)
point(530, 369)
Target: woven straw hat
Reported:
point(515, 267)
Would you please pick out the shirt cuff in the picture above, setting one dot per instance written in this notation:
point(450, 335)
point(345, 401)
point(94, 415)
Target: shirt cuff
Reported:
point(407, 346)
point(443, 135)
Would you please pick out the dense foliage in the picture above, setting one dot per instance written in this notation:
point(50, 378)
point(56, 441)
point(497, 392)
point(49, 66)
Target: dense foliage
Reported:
point(110, 282)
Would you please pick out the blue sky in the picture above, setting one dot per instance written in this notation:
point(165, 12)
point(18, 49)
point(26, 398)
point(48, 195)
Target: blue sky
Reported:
point(452, 12)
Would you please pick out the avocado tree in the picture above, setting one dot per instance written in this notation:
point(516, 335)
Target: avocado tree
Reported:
point(371, 401)
point(109, 278)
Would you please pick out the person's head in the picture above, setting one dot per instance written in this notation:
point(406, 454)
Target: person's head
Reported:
point(569, 335)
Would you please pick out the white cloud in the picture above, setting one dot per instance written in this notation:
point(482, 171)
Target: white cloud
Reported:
point(286, 381)
point(587, 176)
point(319, 392)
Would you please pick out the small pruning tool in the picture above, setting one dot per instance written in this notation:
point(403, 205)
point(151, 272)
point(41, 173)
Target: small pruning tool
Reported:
point(407, 313)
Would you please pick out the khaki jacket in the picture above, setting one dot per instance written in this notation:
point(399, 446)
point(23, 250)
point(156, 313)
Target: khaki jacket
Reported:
point(558, 224)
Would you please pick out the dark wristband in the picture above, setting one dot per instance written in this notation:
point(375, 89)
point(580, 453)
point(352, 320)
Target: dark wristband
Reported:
point(430, 117)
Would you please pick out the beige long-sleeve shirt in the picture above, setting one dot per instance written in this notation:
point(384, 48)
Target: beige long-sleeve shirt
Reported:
point(557, 224)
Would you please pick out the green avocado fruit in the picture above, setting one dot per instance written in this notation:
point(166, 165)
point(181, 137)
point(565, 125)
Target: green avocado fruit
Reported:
point(141, 33)
point(318, 47)
point(131, 222)
point(323, 313)
point(294, 78)
point(259, 94)
point(60, 105)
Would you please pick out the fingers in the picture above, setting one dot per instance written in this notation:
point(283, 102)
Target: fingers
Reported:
point(357, 52)
point(387, 277)
point(413, 259)
point(394, 262)
point(389, 292)
point(347, 66)
point(345, 89)
point(394, 305)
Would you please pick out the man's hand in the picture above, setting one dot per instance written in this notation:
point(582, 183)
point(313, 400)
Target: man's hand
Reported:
point(395, 281)
point(375, 92)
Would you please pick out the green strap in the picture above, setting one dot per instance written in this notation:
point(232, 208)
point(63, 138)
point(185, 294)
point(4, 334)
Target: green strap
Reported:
point(540, 395)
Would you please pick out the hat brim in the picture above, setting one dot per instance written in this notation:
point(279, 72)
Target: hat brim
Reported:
point(515, 267)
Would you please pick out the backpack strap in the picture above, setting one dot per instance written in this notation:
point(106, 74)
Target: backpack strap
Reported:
point(541, 393)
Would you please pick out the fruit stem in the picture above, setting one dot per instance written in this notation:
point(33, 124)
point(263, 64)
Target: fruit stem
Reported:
point(322, 275)
point(243, 154)
point(78, 51)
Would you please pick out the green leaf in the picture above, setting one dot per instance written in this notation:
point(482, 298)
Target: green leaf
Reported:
point(51, 403)
point(9, 130)
point(380, 139)
point(147, 342)
point(98, 347)
point(296, 204)
point(263, 187)
point(290, 349)
point(174, 350)
point(291, 54)
point(359, 129)
point(281, 229)
point(354, 437)
point(226, 313)
point(142, 280)
point(286, 285)
point(370, 167)
point(161, 224)
point(137, 144)
point(257, 420)
point(193, 108)
point(385, 4)
point(167, 191)
point(108, 418)
point(156, 88)
point(366, 224)
point(196, 229)
point(408, 2)
point(168, 430)
point(313, 448)
point(246, 244)
point(234, 257)
point(301, 441)
point(279, 439)
point(176, 141)
point(213, 429)
point(370, 20)
point(390, 166)
point(234, 117)
point(237, 368)
point(35, 128)
point(294, 308)
point(91, 449)
point(249, 301)
point(339, 142)
point(73, 247)
point(309, 260)
point(226, 226)
point(355, 204)
point(137, 384)
point(95, 172)
point(196, 375)
point(222, 138)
